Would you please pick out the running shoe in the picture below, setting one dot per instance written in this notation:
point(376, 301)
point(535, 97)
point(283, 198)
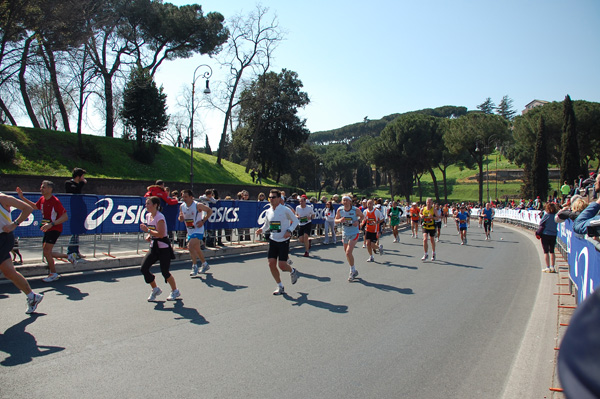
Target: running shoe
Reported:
point(156, 291)
point(432, 257)
point(371, 259)
point(194, 272)
point(552, 270)
point(51, 277)
point(306, 254)
point(33, 303)
point(380, 249)
point(173, 295)
point(71, 258)
point(294, 276)
point(462, 243)
point(290, 262)
point(353, 275)
point(395, 240)
point(546, 270)
point(205, 267)
point(424, 258)
point(279, 291)
point(364, 245)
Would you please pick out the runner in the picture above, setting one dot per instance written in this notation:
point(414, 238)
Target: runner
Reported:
point(350, 217)
point(195, 215)
point(394, 213)
point(305, 214)
point(488, 215)
point(53, 216)
point(445, 215)
point(428, 225)
point(281, 222)
point(437, 221)
point(7, 240)
point(462, 220)
point(330, 223)
point(363, 208)
point(160, 250)
point(373, 220)
point(415, 216)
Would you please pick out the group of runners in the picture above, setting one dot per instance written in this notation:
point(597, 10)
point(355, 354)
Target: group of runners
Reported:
point(280, 222)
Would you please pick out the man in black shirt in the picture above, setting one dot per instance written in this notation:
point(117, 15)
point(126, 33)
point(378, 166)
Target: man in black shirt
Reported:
point(75, 186)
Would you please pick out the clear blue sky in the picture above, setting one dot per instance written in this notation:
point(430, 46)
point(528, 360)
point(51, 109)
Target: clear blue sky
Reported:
point(376, 58)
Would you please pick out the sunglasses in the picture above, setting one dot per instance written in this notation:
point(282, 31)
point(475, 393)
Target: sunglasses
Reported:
point(271, 197)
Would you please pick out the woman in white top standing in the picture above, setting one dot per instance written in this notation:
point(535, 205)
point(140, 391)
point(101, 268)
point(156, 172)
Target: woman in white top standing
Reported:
point(329, 214)
point(160, 250)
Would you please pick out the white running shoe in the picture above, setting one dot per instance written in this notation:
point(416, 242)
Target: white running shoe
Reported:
point(33, 303)
point(353, 275)
point(364, 245)
point(294, 276)
point(51, 277)
point(71, 258)
point(380, 249)
point(395, 240)
point(432, 257)
point(173, 295)
point(205, 267)
point(371, 259)
point(156, 291)
point(424, 258)
point(194, 272)
point(279, 291)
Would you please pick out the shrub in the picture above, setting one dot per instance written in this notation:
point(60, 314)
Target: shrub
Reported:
point(8, 151)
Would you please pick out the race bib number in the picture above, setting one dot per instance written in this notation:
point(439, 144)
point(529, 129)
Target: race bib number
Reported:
point(46, 221)
point(275, 226)
point(395, 218)
point(348, 221)
point(304, 219)
point(189, 223)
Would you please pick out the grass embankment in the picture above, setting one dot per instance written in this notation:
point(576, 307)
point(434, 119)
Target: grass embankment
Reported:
point(54, 153)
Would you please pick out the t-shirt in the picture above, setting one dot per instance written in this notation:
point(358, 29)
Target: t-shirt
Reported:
point(152, 223)
point(329, 214)
point(278, 221)
point(428, 215)
point(51, 209)
point(462, 218)
point(304, 214)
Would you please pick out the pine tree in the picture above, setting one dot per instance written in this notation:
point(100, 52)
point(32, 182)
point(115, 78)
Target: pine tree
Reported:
point(539, 172)
point(207, 146)
point(570, 164)
point(487, 107)
point(504, 109)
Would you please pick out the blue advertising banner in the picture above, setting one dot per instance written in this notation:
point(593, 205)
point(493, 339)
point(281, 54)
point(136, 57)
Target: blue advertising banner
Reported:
point(583, 260)
point(99, 214)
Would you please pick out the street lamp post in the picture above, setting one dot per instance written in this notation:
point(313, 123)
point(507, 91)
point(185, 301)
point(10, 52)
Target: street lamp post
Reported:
point(486, 148)
point(205, 75)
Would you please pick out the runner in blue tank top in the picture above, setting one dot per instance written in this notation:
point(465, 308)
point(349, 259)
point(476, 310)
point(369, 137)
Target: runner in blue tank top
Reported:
point(349, 217)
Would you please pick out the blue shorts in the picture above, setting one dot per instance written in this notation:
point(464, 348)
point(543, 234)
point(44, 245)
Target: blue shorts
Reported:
point(199, 236)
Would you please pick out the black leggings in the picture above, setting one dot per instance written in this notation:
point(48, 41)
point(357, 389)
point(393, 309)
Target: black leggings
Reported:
point(161, 254)
point(487, 224)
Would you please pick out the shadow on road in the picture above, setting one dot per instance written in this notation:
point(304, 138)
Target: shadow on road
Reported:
point(210, 281)
point(72, 293)
point(190, 314)
point(384, 287)
point(303, 300)
point(313, 277)
point(21, 346)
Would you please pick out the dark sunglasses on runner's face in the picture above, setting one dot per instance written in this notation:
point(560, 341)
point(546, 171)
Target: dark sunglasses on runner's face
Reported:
point(271, 197)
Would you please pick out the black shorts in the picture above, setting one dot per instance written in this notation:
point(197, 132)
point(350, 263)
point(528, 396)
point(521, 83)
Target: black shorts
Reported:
point(370, 236)
point(279, 250)
point(51, 236)
point(431, 232)
point(7, 241)
point(548, 243)
point(304, 229)
point(438, 225)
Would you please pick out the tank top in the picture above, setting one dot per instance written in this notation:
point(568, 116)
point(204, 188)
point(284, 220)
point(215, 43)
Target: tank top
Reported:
point(372, 225)
point(428, 218)
point(348, 229)
point(191, 216)
point(5, 218)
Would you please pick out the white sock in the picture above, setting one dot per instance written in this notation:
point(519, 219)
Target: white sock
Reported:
point(280, 285)
point(352, 269)
point(31, 295)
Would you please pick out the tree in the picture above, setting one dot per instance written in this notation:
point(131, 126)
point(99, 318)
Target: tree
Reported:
point(207, 149)
point(487, 107)
point(539, 174)
point(144, 107)
point(570, 162)
point(252, 41)
point(504, 109)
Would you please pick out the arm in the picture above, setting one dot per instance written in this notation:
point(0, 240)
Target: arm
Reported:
point(582, 222)
point(207, 210)
point(28, 202)
point(292, 217)
point(7, 201)
point(63, 218)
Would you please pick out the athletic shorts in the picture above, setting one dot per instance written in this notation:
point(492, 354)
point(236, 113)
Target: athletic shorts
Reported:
point(463, 228)
point(279, 250)
point(438, 225)
point(199, 236)
point(304, 229)
point(371, 236)
point(487, 223)
point(430, 232)
point(348, 239)
point(548, 243)
point(51, 236)
point(7, 241)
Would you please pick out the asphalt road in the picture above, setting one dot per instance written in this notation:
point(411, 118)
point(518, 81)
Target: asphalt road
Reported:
point(407, 329)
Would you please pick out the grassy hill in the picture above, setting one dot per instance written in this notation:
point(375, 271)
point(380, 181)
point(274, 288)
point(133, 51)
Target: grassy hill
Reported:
point(48, 152)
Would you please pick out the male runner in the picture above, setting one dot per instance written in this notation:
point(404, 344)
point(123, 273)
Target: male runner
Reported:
point(281, 222)
point(7, 240)
point(415, 216)
point(394, 213)
point(305, 214)
point(462, 219)
point(53, 216)
point(488, 216)
point(428, 225)
point(350, 217)
point(437, 221)
point(195, 215)
point(373, 220)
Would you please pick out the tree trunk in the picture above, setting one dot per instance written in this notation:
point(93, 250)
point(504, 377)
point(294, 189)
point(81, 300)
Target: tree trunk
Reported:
point(7, 113)
point(227, 116)
point(445, 185)
point(419, 188)
point(110, 109)
point(435, 185)
point(51, 67)
point(23, 84)
point(480, 163)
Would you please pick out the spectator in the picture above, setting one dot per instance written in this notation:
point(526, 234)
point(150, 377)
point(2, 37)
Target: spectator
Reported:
point(329, 223)
point(336, 199)
point(262, 197)
point(158, 190)
point(571, 209)
point(210, 197)
point(588, 220)
point(244, 234)
point(253, 175)
point(75, 186)
point(259, 177)
point(547, 233)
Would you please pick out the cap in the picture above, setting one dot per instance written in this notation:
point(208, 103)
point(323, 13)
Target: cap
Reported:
point(303, 196)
